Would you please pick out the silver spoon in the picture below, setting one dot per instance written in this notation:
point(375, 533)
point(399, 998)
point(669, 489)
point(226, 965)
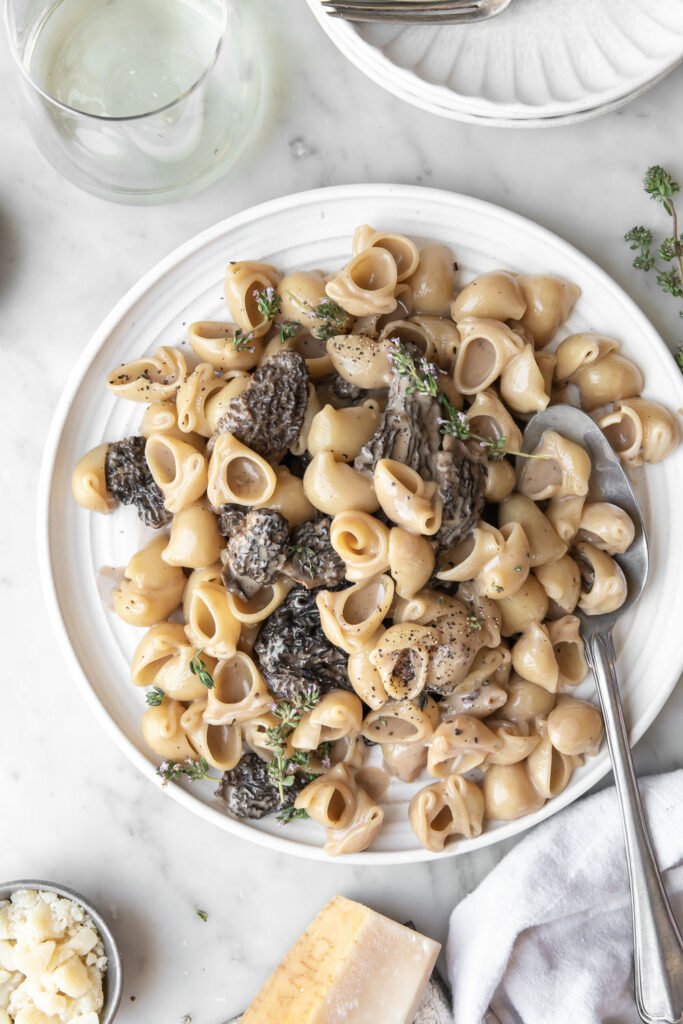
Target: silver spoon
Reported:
point(658, 947)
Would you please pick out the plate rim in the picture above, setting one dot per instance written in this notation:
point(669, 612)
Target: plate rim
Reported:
point(438, 99)
point(364, 191)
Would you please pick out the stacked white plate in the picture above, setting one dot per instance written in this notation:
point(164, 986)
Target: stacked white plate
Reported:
point(539, 63)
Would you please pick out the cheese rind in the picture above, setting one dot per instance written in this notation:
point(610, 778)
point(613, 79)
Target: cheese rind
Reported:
point(350, 966)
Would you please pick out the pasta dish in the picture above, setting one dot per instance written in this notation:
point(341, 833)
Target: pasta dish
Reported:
point(351, 551)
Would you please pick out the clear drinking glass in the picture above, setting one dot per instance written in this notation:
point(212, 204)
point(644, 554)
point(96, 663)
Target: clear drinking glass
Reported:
point(138, 101)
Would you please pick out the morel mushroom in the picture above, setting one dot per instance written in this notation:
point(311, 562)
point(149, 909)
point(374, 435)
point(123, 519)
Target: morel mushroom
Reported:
point(268, 415)
point(297, 464)
point(409, 431)
point(128, 479)
point(337, 392)
point(257, 548)
point(248, 792)
point(230, 518)
point(461, 476)
point(294, 652)
point(313, 561)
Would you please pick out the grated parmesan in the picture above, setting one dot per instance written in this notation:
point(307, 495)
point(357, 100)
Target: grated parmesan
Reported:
point(51, 961)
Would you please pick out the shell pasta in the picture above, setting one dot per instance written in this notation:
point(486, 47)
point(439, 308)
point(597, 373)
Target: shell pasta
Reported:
point(357, 580)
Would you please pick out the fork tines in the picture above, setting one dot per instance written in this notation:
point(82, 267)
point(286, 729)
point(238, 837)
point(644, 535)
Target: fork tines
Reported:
point(404, 5)
point(402, 10)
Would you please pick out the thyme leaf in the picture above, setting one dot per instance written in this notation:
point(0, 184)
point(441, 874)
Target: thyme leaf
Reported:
point(171, 771)
point(268, 303)
point(423, 379)
point(282, 769)
point(306, 558)
point(289, 330)
point(422, 376)
point(242, 340)
point(661, 187)
point(288, 814)
point(641, 239)
point(333, 319)
point(198, 668)
point(659, 184)
point(670, 282)
point(155, 696)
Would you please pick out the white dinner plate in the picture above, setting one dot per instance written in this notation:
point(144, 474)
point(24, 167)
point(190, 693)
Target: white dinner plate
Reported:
point(307, 230)
point(540, 63)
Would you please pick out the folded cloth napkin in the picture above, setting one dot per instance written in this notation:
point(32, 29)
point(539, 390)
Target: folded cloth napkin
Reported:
point(546, 938)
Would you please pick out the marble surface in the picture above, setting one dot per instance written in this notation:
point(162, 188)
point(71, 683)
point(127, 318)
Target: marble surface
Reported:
point(71, 807)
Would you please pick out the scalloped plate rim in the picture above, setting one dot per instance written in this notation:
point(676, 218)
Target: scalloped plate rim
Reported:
point(445, 102)
point(145, 285)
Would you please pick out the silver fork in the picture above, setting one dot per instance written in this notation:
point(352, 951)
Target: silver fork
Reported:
point(431, 12)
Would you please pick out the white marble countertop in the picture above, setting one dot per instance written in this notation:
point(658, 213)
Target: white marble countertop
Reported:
point(72, 809)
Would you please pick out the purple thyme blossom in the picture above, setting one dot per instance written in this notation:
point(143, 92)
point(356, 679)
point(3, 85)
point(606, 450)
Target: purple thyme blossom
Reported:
point(430, 369)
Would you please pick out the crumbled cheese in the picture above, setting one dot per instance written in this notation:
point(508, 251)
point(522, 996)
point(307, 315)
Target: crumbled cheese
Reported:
point(51, 961)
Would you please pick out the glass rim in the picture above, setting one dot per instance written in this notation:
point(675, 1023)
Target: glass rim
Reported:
point(12, 37)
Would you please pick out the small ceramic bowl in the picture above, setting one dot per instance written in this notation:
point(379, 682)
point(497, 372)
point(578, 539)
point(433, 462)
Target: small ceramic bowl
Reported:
point(112, 980)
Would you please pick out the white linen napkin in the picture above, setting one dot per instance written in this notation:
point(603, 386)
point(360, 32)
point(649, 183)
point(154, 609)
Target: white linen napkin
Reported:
point(546, 938)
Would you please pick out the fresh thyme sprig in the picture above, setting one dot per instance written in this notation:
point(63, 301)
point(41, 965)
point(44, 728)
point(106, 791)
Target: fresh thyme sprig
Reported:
point(332, 318)
point(659, 184)
point(171, 771)
point(198, 668)
point(203, 915)
point(661, 187)
point(155, 696)
point(282, 769)
point(288, 814)
point(301, 759)
point(242, 340)
point(423, 379)
point(640, 238)
point(289, 330)
point(268, 303)
point(306, 557)
point(456, 424)
point(323, 754)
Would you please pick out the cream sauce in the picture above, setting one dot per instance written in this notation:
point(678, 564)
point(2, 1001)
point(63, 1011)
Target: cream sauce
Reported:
point(363, 602)
point(245, 479)
point(478, 362)
point(622, 435)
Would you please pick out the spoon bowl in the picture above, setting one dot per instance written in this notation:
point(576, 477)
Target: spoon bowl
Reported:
point(608, 482)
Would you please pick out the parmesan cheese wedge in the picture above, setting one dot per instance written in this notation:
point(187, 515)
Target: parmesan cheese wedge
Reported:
point(351, 966)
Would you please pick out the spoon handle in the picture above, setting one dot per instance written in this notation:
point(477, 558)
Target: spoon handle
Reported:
point(657, 943)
